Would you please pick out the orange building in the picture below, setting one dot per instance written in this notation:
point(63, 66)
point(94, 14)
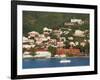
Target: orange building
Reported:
point(72, 51)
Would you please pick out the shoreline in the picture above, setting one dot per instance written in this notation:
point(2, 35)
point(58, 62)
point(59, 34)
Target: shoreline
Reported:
point(55, 57)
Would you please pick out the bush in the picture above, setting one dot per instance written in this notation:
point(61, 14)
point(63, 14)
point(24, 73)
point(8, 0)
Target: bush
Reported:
point(33, 54)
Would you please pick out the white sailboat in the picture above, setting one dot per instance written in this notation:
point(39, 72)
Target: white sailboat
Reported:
point(65, 61)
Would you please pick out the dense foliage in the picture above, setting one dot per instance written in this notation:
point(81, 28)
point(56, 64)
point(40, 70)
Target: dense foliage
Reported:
point(37, 20)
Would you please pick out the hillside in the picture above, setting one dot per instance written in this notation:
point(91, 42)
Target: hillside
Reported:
point(35, 21)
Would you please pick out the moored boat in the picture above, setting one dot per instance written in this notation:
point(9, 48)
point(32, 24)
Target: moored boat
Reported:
point(65, 61)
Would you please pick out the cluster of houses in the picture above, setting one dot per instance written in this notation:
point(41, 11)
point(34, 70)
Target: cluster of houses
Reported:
point(39, 43)
point(75, 22)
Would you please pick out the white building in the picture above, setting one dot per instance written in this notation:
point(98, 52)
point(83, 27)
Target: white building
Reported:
point(60, 44)
point(25, 40)
point(47, 29)
point(70, 38)
point(32, 34)
point(79, 33)
point(45, 54)
point(79, 21)
point(76, 43)
point(26, 46)
point(83, 44)
point(72, 44)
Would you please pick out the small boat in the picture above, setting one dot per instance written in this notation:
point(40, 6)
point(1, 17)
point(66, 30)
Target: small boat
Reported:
point(65, 61)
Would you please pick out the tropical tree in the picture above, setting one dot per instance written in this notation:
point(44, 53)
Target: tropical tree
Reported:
point(33, 50)
point(52, 50)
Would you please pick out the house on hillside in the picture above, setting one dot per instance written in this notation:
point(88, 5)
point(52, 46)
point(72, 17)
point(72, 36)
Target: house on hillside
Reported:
point(58, 33)
point(45, 29)
point(74, 23)
point(60, 44)
point(25, 39)
point(79, 33)
point(32, 34)
point(68, 24)
point(78, 21)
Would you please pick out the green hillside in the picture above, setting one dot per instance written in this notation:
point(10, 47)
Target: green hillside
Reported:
point(35, 21)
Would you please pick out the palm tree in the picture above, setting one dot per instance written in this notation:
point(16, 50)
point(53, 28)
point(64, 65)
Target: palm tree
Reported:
point(52, 50)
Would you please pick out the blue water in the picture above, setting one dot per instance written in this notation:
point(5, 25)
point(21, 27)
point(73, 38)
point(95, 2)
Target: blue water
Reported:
point(54, 62)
